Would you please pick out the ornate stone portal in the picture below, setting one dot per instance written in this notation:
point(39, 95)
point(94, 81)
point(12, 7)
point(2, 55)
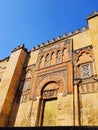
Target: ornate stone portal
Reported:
point(52, 80)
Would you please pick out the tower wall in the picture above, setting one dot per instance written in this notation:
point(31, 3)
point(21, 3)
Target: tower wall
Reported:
point(9, 83)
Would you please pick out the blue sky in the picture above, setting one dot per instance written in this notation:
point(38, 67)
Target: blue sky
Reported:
point(33, 22)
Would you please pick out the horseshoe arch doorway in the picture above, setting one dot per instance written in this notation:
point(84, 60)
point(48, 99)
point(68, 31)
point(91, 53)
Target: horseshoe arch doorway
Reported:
point(48, 110)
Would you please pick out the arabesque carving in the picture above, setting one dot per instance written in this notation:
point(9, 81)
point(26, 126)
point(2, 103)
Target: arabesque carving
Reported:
point(83, 56)
point(48, 79)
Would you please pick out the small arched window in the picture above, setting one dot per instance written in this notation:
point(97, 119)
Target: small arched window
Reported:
point(53, 58)
point(85, 64)
point(47, 60)
point(65, 54)
point(41, 62)
point(59, 57)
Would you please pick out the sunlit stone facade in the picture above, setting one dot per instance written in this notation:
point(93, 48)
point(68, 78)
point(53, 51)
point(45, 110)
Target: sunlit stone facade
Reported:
point(54, 84)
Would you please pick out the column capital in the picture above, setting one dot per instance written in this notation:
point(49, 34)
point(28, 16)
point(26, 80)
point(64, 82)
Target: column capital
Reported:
point(77, 81)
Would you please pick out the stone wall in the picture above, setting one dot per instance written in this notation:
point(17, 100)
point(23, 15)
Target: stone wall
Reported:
point(93, 32)
point(23, 117)
point(3, 65)
point(9, 84)
point(65, 110)
point(89, 109)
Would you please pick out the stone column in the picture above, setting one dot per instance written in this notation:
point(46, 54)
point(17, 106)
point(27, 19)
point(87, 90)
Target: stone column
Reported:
point(35, 112)
point(76, 102)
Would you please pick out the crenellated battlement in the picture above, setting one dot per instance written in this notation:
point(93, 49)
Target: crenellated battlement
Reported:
point(65, 36)
point(22, 46)
point(95, 13)
point(58, 38)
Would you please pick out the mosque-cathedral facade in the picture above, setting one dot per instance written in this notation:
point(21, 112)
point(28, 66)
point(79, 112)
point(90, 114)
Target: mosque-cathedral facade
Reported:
point(54, 84)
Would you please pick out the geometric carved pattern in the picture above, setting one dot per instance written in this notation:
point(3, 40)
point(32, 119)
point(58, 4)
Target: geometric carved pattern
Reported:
point(49, 93)
point(85, 71)
point(49, 79)
point(88, 88)
point(61, 72)
point(83, 56)
point(84, 63)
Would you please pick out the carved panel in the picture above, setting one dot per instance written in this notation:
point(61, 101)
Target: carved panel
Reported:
point(58, 76)
point(54, 54)
point(84, 64)
point(83, 55)
point(85, 71)
point(62, 72)
point(49, 93)
point(50, 90)
point(88, 88)
point(28, 72)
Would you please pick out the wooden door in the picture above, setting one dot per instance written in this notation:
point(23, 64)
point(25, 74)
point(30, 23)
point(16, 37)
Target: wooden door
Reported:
point(49, 113)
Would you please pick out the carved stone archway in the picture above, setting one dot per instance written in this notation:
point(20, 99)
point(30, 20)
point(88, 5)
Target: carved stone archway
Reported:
point(51, 78)
point(47, 93)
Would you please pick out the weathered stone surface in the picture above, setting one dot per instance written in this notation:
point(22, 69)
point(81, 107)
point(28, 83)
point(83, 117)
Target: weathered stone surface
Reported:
point(89, 109)
point(65, 111)
point(10, 83)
